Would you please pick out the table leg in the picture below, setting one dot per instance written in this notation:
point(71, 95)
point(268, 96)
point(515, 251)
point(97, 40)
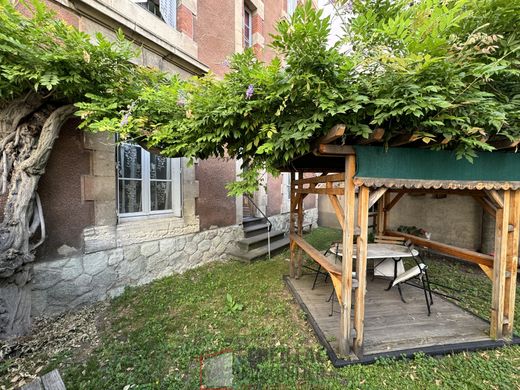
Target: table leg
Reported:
point(395, 275)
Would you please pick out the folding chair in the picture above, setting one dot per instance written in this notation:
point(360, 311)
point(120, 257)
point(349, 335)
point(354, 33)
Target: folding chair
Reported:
point(419, 271)
point(332, 249)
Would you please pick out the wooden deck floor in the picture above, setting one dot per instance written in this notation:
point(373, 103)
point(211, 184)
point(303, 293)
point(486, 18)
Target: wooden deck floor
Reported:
point(391, 325)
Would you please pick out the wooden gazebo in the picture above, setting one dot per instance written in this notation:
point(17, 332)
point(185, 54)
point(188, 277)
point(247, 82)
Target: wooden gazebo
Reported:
point(379, 175)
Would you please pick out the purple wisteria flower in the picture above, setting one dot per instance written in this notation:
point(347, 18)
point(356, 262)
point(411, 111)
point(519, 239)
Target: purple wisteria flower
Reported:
point(250, 90)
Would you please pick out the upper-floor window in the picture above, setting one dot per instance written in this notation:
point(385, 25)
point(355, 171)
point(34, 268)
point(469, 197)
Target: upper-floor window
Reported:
point(148, 184)
point(291, 6)
point(248, 27)
point(164, 9)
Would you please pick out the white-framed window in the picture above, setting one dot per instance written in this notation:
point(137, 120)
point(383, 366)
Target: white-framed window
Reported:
point(164, 9)
point(147, 184)
point(291, 6)
point(248, 27)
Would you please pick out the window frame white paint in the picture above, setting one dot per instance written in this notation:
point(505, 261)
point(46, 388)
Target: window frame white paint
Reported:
point(249, 37)
point(176, 187)
point(172, 23)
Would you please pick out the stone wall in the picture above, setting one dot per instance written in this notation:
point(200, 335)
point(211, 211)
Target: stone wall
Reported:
point(281, 221)
point(454, 219)
point(67, 283)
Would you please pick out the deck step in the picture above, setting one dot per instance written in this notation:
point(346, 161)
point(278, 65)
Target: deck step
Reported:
point(259, 240)
point(261, 252)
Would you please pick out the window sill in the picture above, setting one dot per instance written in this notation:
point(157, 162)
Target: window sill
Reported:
point(137, 230)
point(145, 217)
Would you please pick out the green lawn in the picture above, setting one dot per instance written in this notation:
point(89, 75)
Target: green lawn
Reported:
point(153, 336)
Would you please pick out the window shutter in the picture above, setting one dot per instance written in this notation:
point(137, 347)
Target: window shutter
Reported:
point(168, 10)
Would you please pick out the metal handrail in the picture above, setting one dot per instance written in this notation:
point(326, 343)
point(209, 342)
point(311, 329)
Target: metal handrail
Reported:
point(268, 224)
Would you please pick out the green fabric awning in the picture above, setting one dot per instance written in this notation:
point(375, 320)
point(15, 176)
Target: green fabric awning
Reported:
point(423, 168)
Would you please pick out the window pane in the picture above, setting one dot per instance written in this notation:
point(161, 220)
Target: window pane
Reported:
point(130, 199)
point(160, 167)
point(129, 164)
point(160, 195)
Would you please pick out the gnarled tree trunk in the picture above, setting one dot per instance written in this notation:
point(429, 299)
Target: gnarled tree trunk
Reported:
point(28, 130)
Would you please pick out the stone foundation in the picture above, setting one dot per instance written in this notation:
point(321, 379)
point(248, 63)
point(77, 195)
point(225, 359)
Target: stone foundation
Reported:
point(67, 283)
point(281, 221)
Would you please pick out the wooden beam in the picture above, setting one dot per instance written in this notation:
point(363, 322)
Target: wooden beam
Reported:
point(511, 265)
point(376, 136)
point(450, 250)
point(336, 177)
point(292, 270)
point(374, 196)
point(504, 143)
point(496, 198)
point(335, 150)
point(488, 208)
point(361, 268)
point(348, 247)
point(340, 215)
point(322, 191)
point(499, 268)
point(394, 201)
point(315, 254)
point(487, 270)
point(403, 139)
point(334, 133)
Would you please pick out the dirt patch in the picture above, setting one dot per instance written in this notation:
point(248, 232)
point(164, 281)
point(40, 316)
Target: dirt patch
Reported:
point(69, 337)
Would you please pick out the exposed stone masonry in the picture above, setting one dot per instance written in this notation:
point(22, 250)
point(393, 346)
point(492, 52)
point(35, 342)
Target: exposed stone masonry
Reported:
point(67, 283)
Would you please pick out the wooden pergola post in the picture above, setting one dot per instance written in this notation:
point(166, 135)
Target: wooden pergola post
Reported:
point(300, 229)
point(511, 264)
point(361, 268)
point(499, 267)
point(381, 215)
point(291, 226)
point(348, 243)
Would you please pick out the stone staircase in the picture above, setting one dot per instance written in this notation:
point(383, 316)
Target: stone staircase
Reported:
point(254, 244)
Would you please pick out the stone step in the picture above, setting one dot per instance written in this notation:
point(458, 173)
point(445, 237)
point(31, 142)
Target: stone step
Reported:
point(254, 229)
point(259, 240)
point(262, 251)
point(248, 221)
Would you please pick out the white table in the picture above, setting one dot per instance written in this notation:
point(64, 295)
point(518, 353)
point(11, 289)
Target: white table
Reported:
point(381, 252)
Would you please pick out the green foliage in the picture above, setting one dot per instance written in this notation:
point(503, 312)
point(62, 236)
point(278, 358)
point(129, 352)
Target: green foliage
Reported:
point(446, 72)
point(232, 305)
point(46, 56)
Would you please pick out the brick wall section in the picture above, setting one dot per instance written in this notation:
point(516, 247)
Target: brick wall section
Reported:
point(214, 206)
point(274, 195)
point(60, 190)
point(258, 24)
point(214, 34)
point(274, 11)
point(185, 20)
point(62, 12)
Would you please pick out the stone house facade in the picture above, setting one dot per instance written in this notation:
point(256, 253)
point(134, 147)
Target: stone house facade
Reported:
point(119, 216)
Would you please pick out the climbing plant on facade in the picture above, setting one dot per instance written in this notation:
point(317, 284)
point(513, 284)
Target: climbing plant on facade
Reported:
point(45, 67)
point(441, 73)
